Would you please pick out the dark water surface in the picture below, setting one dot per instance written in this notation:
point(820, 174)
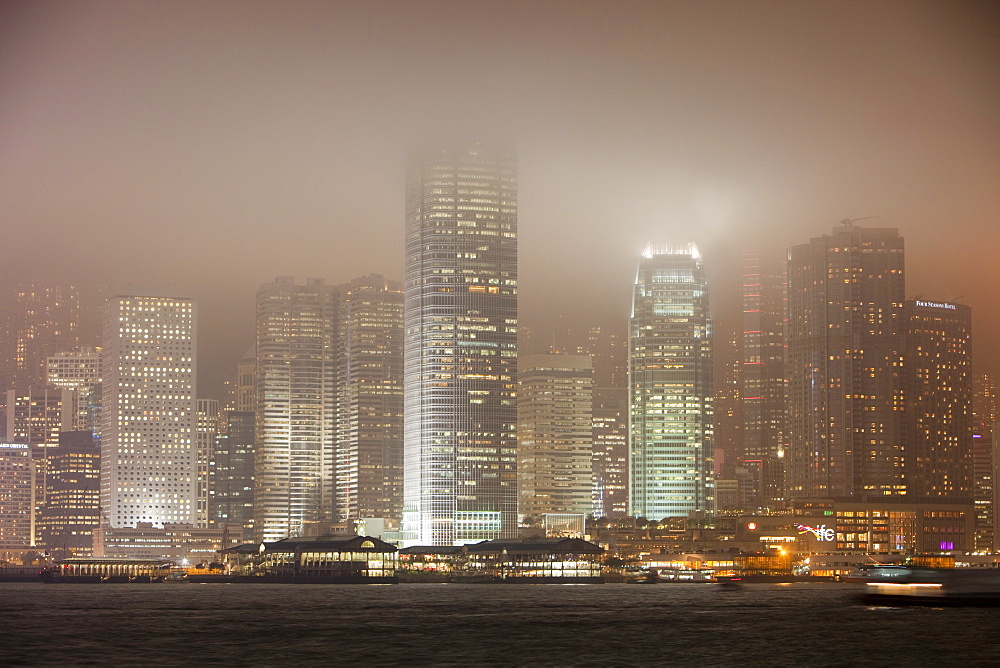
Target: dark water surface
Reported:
point(469, 625)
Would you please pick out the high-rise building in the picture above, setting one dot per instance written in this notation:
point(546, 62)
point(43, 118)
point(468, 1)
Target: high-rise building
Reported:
point(148, 416)
point(460, 350)
point(245, 388)
point(231, 478)
point(763, 404)
point(205, 436)
point(79, 370)
point(370, 400)
point(985, 445)
point(938, 401)
point(555, 434)
point(71, 512)
point(296, 370)
point(36, 419)
point(845, 366)
point(610, 457)
point(41, 321)
point(17, 498)
point(670, 386)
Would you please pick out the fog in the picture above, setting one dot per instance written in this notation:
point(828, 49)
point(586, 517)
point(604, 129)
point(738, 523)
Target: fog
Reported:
point(210, 147)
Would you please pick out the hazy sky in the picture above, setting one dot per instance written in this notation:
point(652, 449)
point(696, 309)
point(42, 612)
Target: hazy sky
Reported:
point(214, 145)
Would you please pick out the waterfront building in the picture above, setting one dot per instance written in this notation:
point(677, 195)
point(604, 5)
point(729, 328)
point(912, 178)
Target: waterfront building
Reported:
point(763, 404)
point(183, 544)
point(205, 436)
point(322, 559)
point(555, 435)
point(370, 400)
point(938, 401)
point(148, 416)
point(670, 386)
point(610, 454)
point(296, 370)
point(845, 366)
point(17, 499)
point(72, 508)
point(460, 350)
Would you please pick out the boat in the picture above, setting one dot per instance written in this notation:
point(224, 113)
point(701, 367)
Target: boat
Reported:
point(926, 585)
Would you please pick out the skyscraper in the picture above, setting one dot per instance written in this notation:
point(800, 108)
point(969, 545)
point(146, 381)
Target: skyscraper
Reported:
point(762, 380)
point(610, 462)
point(460, 350)
point(939, 401)
point(670, 386)
point(42, 321)
point(148, 416)
point(72, 507)
point(294, 457)
point(370, 400)
point(205, 435)
point(845, 366)
point(79, 370)
point(555, 434)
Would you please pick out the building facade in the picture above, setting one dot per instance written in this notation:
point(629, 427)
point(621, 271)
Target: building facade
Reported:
point(939, 401)
point(555, 434)
point(79, 370)
point(763, 404)
point(370, 400)
point(72, 508)
point(610, 456)
point(17, 498)
point(205, 437)
point(296, 365)
point(670, 386)
point(460, 348)
point(148, 416)
point(231, 479)
point(845, 366)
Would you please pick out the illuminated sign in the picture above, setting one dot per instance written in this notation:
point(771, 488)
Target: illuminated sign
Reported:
point(821, 532)
point(752, 526)
point(936, 305)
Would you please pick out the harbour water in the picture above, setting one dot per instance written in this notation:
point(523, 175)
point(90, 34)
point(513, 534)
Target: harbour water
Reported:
point(812, 624)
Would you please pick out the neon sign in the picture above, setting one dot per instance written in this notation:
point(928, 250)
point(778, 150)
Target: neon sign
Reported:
point(822, 532)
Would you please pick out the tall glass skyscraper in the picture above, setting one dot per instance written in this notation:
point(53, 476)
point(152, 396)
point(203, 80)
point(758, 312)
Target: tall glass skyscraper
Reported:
point(670, 386)
point(296, 371)
point(460, 347)
point(370, 400)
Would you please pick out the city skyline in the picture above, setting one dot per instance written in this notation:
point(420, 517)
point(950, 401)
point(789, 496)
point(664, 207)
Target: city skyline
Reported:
point(770, 128)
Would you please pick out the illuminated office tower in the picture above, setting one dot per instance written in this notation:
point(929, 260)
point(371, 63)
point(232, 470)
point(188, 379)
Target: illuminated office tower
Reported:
point(460, 350)
point(205, 435)
point(79, 370)
point(17, 497)
point(844, 365)
point(296, 369)
point(670, 386)
point(985, 444)
point(763, 405)
point(370, 400)
point(148, 416)
point(555, 434)
point(41, 321)
point(939, 401)
point(610, 456)
point(72, 507)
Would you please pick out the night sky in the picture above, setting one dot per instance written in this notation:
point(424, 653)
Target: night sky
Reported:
point(211, 146)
